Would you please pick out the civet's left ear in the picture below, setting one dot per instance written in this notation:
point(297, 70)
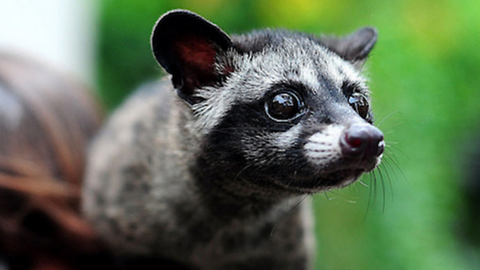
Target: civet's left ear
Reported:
point(187, 46)
point(354, 47)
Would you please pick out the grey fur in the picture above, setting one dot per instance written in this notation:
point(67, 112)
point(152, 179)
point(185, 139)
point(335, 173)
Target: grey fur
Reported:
point(157, 185)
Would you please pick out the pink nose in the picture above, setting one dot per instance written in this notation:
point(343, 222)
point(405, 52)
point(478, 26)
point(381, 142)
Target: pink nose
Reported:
point(362, 141)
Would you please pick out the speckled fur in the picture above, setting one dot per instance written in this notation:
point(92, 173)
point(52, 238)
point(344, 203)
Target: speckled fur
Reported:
point(208, 184)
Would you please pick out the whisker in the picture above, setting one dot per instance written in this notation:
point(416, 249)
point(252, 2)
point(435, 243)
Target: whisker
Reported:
point(387, 173)
point(369, 202)
point(382, 184)
point(241, 171)
point(395, 164)
point(326, 196)
point(390, 143)
point(285, 215)
point(362, 183)
point(394, 146)
point(386, 117)
point(389, 132)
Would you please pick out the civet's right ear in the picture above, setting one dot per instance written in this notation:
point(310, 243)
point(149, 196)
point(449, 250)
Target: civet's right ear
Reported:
point(354, 47)
point(186, 46)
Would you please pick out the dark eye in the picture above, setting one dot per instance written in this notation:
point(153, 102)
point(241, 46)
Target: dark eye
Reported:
point(359, 103)
point(283, 106)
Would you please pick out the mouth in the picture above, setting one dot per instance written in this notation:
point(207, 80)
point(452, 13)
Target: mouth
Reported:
point(339, 179)
point(345, 173)
point(336, 176)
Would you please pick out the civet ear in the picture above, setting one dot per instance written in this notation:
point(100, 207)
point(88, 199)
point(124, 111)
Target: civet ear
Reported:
point(186, 46)
point(354, 47)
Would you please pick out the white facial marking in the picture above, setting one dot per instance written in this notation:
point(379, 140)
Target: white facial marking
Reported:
point(324, 147)
point(215, 106)
point(286, 139)
point(308, 77)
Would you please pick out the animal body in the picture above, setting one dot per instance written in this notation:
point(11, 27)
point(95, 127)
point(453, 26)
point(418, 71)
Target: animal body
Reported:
point(211, 169)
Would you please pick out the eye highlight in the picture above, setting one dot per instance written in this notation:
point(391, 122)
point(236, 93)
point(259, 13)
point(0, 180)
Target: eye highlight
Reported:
point(284, 106)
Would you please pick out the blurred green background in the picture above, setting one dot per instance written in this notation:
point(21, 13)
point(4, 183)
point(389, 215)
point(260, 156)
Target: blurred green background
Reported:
point(422, 211)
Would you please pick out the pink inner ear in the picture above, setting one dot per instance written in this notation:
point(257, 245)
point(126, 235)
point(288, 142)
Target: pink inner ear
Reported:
point(197, 53)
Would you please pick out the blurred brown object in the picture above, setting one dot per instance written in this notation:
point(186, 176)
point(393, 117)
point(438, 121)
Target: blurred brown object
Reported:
point(46, 122)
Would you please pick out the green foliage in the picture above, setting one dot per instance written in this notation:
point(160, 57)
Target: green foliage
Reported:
point(425, 83)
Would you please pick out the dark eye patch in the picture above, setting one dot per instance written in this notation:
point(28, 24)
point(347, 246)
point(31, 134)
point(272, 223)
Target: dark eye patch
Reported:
point(349, 88)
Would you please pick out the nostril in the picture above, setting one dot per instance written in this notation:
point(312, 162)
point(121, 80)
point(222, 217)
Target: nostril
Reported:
point(354, 142)
point(362, 140)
